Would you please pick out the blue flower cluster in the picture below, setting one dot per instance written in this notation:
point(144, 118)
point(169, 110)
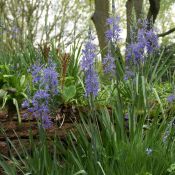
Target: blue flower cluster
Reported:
point(128, 74)
point(46, 80)
point(146, 42)
point(87, 65)
point(112, 36)
point(109, 64)
point(171, 98)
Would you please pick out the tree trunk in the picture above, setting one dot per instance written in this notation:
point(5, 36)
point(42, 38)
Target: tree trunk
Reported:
point(153, 10)
point(138, 4)
point(99, 19)
point(129, 7)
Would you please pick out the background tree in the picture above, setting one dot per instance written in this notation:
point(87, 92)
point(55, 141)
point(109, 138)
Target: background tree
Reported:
point(135, 9)
point(99, 18)
point(64, 21)
point(40, 21)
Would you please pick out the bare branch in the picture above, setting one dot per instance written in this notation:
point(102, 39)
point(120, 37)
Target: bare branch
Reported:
point(167, 33)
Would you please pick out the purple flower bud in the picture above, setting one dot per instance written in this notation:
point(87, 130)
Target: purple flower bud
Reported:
point(41, 94)
point(113, 34)
point(46, 121)
point(128, 74)
point(91, 83)
point(135, 52)
point(36, 73)
point(50, 80)
point(126, 117)
point(171, 98)
point(25, 104)
point(88, 56)
point(25, 115)
point(152, 41)
point(109, 64)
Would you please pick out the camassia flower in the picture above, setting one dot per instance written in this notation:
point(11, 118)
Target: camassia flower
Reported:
point(135, 52)
point(50, 80)
point(87, 65)
point(146, 42)
point(36, 73)
point(40, 107)
point(112, 36)
point(91, 82)
point(46, 80)
point(128, 74)
point(109, 64)
point(171, 98)
point(113, 33)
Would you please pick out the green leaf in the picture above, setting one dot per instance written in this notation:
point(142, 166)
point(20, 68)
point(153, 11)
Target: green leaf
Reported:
point(22, 80)
point(69, 92)
point(5, 98)
point(69, 80)
point(8, 169)
point(171, 168)
point(2, 93)
point(80, 172)
point(101, 168)
point(24, 95)
point(8, 76)
point(159, 101)
point(15, 102)
point(144, 90)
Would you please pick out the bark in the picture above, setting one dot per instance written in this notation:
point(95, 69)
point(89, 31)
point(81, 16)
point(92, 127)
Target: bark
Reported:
point(138, 4)
point(99, 19)
point(153, 10)
point(129, 7)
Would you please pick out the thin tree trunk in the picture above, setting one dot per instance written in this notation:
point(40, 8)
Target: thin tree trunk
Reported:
point(99, 19)
point(138, 4)
point(129, 8)
point(153, 10)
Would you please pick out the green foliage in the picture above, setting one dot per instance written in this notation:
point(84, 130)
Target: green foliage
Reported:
point(69, 93)
point(111, 140)
point(122, 131)
point(98, 146)
point(171, 169)
point(12, 89)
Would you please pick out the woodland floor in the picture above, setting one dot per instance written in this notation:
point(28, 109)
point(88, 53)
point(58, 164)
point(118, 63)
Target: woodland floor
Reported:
point(12, 130)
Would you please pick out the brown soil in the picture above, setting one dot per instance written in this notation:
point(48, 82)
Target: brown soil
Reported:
point(18, 134)
point(10, 129)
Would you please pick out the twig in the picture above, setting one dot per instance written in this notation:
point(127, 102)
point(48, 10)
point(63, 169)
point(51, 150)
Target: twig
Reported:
point(167, 33)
